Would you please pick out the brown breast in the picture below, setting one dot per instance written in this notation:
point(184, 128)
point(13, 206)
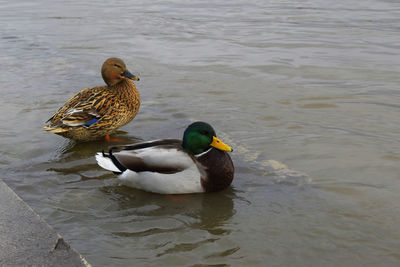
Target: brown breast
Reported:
point(219, 168)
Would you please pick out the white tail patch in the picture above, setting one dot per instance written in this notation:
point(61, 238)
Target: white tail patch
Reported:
point(106, 163)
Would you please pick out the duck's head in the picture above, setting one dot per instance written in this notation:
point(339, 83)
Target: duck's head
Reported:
point(199, 137)
point(114, 70)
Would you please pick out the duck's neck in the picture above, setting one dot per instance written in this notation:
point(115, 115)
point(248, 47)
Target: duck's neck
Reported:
point(203, 153)
point(126, 89)
point(122, 85)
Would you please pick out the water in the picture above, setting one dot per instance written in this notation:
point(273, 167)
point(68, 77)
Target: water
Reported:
point(306, 92)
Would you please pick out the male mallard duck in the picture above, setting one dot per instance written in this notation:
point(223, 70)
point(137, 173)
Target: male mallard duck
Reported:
point(196, 164)
point(99, 111)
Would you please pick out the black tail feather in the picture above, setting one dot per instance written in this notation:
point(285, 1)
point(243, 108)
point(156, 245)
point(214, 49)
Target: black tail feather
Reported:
point(117, 164)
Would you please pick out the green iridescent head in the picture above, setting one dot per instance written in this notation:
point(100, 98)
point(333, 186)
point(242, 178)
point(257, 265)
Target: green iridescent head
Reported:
point(199, 137)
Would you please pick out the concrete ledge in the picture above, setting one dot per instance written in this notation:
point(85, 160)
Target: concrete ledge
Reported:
point(26, 239)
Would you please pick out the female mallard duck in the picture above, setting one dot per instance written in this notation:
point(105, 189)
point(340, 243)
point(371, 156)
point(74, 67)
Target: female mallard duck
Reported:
point(99, 111)
point(196, 164)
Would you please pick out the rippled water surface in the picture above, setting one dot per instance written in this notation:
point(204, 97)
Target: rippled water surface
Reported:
point(306, 92)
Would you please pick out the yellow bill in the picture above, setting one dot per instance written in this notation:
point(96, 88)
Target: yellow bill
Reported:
point(218, 144)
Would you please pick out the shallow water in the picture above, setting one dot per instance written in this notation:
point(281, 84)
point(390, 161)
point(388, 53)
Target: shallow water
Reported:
point(306, 92)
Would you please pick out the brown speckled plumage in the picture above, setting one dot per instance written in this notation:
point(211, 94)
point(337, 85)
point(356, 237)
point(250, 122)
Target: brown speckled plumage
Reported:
point(99, 111)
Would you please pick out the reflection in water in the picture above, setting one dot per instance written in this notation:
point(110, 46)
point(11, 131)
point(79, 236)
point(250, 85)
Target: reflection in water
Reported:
point(73, 149)
point(167, 219)
point(76, 158)
point(208, 211)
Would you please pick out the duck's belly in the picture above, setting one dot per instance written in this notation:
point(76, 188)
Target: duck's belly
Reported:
point(185, 182)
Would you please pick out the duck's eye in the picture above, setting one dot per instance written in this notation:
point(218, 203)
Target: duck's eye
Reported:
point(116, 65)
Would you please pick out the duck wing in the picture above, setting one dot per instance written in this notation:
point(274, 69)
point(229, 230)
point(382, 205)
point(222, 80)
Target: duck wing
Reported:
point(83, 109)
point(160, 156)
point(83, 114)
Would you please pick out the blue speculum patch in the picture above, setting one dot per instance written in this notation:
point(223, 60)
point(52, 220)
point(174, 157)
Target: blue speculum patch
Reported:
point(94, 120)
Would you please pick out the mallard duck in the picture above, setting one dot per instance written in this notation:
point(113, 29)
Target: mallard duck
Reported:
point(198, 163)
point(98, 111)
